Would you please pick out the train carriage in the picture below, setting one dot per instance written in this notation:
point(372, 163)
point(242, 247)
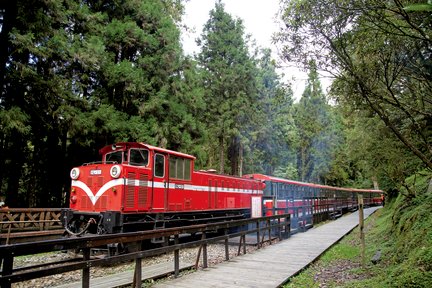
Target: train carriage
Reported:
point(309, 203)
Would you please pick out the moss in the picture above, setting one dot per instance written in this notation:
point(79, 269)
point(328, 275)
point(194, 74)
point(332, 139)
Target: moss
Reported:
point(343, 251)
point(304, 279)
point(411, 278)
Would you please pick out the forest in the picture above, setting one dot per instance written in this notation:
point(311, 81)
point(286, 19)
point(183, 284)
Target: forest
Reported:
point(76, 75)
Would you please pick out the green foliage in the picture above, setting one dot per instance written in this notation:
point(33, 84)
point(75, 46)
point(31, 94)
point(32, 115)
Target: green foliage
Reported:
point(342, 251)
point(420, 7)
point(228, 80)
point(411, 240)
point(80, 75)
point(77, 75)
point(377, 53)
point(14, 119)
point(272, 134)
point(317, 132)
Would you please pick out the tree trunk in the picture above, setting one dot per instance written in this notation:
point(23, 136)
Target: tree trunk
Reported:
point(2, 159)
point(303, 163)
point(9, 18)
point(221, 154)
point(233, 155)
point(240, 170)
point(429, 190)
point(375, 182)
point(16, 156)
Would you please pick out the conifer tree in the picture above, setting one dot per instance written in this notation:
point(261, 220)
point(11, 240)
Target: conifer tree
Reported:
point(272, 137)
point(316, 131)
point(78, 75)
point(229, 85)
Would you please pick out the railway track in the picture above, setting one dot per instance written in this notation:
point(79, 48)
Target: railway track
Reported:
point(262, 228)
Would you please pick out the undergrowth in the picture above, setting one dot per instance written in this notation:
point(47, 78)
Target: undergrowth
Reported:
point(402, 231)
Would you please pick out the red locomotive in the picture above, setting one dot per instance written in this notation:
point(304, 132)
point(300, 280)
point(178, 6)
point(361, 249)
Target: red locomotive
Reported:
point(138, 186)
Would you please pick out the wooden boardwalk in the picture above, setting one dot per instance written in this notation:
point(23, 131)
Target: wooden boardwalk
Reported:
point(126, 278)
point(273, 265)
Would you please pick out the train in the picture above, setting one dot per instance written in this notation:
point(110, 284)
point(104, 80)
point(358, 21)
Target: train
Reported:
point(137, 186)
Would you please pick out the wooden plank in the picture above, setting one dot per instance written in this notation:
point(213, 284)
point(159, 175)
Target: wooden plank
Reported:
point(274, 264)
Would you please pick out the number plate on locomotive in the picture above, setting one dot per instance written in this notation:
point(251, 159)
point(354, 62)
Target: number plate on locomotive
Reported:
point(95, 172)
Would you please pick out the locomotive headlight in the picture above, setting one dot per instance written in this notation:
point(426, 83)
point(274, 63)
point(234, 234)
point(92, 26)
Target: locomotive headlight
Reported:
point(115, 171)
point(74, 174)
point(73, 199)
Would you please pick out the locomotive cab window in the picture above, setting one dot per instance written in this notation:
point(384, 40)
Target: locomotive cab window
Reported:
point(159, 165)
point(138, 157)
point(116, 157)
point(180, 168)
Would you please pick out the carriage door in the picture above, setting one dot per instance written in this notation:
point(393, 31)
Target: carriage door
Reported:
point(160, 182)
point(212, 199)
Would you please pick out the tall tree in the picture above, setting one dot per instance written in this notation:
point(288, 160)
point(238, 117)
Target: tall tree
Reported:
point(81, 74)
point(229, 85)
point(316, 131)
point(272, 137)
point(380, 55)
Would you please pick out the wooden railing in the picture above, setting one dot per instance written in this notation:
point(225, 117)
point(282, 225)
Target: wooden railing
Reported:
point(29, 219)
point(18, 225)
point(272, 226)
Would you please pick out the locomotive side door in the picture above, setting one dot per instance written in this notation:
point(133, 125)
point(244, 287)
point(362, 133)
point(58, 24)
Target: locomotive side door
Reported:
point(212, 194)
point(160, 181)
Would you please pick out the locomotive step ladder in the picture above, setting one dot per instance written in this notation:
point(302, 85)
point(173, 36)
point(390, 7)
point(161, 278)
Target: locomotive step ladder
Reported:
point(159, 224)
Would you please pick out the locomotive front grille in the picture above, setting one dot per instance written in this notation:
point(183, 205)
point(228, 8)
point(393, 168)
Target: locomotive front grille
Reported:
point(130, 191)
point(84, 202)
point(101, 203)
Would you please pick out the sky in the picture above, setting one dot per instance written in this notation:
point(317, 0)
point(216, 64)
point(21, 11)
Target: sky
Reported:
point(260, 21)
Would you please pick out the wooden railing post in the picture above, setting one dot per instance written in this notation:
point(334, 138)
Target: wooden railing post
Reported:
point(269, 230)
point(205, 263)
point(86, 269)
point(258, 234)
point(176, 257)
point(7, 269)
point(361, 226)
point(137, 283)
point(226, 245)
point(279, 228)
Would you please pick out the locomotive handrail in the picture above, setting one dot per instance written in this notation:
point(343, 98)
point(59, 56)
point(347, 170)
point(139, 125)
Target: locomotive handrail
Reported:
point(100, 162)
point(280, 224)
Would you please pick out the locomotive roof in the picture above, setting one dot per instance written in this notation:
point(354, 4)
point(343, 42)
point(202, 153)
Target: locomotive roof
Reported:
point(109, 148)
point(263, 177)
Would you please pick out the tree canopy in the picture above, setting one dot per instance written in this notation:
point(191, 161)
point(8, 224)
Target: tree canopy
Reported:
point(76, 75)
point(380, 56)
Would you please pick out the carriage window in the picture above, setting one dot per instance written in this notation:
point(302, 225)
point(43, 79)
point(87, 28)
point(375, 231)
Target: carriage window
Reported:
point(114, 157)
point(138, 157)
point(159, 165)
point(180, 168)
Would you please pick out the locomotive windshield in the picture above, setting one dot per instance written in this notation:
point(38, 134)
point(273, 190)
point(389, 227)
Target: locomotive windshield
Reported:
point(116, 156)
point(138, 157)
